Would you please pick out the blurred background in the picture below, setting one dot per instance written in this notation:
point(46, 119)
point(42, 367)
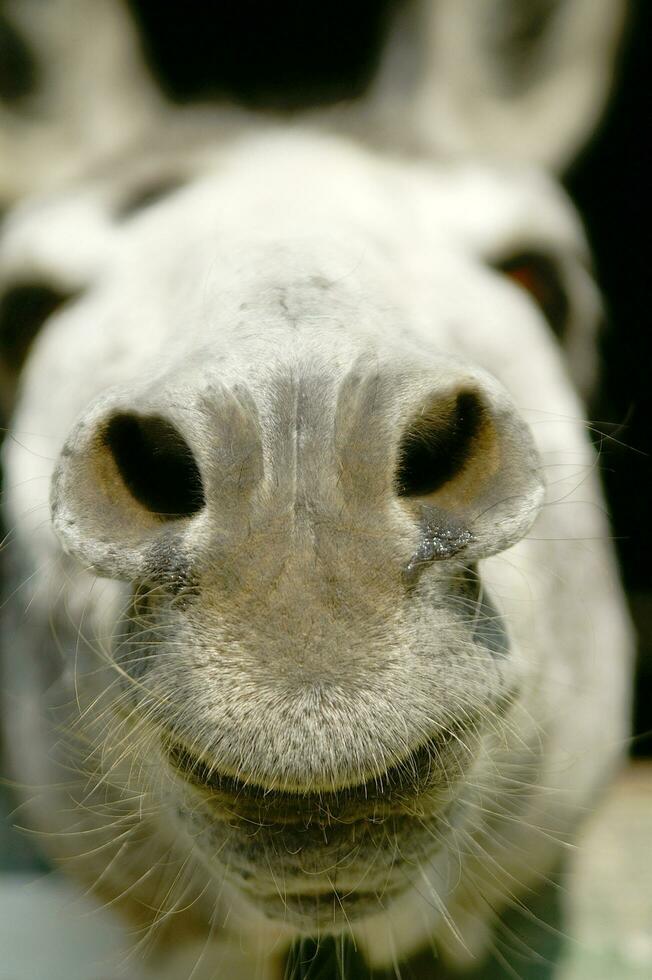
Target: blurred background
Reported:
point(610, 184)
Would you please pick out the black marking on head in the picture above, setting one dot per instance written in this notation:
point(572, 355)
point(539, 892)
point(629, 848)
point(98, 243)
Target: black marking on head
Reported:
point(440, 539)
point(436, 447)
point(286, 55)
point(328, 956)
point(156, 464)
point(540, 276)
point(135, 635)
point(489, 628)
point(168, 584)
point(519, 37)
point(18, 73)
point(145, 195)
point(320, 282)
point(169, 565)
point(24, 308)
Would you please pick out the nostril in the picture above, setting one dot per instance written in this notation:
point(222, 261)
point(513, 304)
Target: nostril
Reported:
point(156, 464)
point(467, 473)
point(438, 444)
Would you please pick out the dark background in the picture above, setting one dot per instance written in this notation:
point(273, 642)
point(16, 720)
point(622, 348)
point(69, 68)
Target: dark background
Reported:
point(611, 186)
point(291, 54)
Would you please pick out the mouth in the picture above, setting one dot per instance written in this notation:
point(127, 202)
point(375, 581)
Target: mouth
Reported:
point(320, 860)
point(429, 772)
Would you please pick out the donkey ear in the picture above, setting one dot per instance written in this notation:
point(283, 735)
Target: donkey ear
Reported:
point(66, 95)
point(524, 80)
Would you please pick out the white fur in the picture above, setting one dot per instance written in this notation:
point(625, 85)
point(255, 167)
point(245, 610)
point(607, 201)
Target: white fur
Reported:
point(290, 309)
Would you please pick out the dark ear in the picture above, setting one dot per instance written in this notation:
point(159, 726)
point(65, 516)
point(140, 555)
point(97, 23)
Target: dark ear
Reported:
point(74, 77)
point(24, 309)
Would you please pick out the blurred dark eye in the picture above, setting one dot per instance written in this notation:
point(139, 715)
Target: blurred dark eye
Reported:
point(539, 275)
point(24, 308)
point(146, 195)
point(18, 71)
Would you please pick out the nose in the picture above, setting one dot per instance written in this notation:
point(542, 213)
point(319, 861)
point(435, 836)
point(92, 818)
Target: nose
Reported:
point(142, 466)
point(156, 464)
point(449, 447)
point(451, 454)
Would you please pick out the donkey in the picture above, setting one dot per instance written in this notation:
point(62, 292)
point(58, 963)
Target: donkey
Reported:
point(312, 625)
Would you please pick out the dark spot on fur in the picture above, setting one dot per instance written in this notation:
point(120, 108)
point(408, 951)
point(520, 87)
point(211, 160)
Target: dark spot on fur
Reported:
point(325, 957)
point(169, 566)
point(137, 636)
point(320, 282)
point(146, 195)
point(518, 36)
point(489, 628)
point(440, 539)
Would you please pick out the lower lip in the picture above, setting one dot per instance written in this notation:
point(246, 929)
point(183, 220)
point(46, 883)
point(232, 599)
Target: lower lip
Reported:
point(327, 906)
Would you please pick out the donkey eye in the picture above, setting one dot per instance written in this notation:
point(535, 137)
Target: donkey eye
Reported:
point(540, 276)
point(145, 195)
point(18, 71)
point(24, 308)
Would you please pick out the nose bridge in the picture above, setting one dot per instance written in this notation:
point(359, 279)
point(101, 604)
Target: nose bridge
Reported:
point(298, 405)
point(332, 449)
point(316, 522)
point(330, 432)
point(313, 436)
point(364, 433)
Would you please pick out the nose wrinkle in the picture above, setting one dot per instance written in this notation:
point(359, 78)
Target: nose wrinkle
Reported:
point(362, 434)
point(302, 471)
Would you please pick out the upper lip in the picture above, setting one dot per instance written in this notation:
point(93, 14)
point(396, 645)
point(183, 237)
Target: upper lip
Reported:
point(395, 791)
